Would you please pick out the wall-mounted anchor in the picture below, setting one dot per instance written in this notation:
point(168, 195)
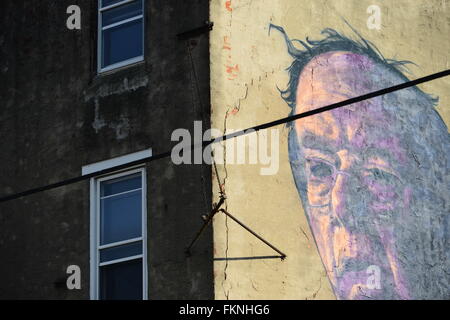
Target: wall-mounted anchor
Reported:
point(208, 26)
point(208, 219)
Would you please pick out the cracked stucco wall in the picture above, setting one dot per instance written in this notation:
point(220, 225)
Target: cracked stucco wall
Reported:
point(247, 65)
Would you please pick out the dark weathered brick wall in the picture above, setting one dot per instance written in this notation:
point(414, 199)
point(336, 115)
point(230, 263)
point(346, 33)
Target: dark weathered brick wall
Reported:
point(57, 115)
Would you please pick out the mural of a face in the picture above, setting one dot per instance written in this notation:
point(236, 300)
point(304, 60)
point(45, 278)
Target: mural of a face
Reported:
point(351, 169)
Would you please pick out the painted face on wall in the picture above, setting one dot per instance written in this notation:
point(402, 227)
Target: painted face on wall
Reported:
point(351, 161)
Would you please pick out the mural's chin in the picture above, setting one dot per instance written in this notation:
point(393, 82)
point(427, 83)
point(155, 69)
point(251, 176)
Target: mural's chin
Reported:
point(363, 280)
point(361, 292)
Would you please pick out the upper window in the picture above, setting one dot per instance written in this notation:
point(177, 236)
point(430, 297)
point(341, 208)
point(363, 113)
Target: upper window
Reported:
point(121, 33)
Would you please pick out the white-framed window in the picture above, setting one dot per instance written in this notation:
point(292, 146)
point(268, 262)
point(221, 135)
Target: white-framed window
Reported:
point(120, 33)
point(118, 211)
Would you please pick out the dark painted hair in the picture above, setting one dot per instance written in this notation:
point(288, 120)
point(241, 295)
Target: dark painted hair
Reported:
point(334, 41)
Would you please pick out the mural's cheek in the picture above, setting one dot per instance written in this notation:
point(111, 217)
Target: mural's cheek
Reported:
point(384, 190)
point(399, 280)
point(383, 200)
point(322, 230)
point(407, 195)
point(344, 247)
point(396, 277)
point(318, 193)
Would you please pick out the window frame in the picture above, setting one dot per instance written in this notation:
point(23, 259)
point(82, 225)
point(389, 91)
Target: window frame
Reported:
point(100, 30)
point(95, 232)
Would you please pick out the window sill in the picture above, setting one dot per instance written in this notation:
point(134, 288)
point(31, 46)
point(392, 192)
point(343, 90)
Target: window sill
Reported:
point(137, 72)
point(121, 66)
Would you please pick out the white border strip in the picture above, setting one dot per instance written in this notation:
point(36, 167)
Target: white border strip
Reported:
point(107, 263)
point(114, 162)
point(112, 6)
point(115, 24)
point(121, 64)
point(120, 243)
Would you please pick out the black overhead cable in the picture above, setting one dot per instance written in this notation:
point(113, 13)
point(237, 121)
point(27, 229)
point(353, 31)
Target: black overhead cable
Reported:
point(193, 146)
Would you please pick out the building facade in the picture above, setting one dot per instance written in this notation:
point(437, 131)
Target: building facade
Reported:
point(82, 100)
point(351, 203)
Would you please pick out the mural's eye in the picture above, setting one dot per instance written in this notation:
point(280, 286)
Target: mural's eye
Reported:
point(321, 170)
point(379, 176)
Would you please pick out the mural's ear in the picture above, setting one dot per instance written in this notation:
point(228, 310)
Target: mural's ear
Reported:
point(293, 51)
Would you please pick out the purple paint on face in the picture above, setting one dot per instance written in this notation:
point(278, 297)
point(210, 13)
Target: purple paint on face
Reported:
point(354, 188)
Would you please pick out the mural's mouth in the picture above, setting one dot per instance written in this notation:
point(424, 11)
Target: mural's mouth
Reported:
point(361, 261)
point(351, 265)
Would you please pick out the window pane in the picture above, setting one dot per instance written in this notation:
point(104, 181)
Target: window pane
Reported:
point(122, 42)
point(121, 217)
point(121, 281)
point(119, 185)
point(126, 250)
point(121, 13)
point(106, 3)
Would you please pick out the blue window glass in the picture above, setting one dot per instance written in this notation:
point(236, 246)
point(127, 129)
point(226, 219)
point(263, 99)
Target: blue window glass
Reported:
point(122, 42)
point(121, 281)
point(106, 3)
point(121, 13)
point(119, 252)
point(121, 217)
point(111, 187)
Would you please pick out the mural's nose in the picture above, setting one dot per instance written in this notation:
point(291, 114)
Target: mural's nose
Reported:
point(339, 202)
point(348, 202)
point(345, 192)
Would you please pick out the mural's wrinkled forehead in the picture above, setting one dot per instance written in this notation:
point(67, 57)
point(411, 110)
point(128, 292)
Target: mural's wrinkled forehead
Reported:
point(336, 73)
point(333, 77)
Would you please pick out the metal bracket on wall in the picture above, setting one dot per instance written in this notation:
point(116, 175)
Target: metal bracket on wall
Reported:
point(207, 220)
point(217, 209)
point(196, 32)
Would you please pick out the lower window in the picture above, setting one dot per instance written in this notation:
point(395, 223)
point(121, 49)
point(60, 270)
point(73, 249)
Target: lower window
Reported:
point(119, 236)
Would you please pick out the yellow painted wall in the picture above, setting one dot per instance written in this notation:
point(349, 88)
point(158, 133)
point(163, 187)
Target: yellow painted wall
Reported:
point(247, 64)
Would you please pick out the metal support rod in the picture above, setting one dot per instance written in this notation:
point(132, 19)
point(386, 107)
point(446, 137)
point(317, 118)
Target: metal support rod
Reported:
point(207, 221)
point(219, 184)
point(282, 255)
